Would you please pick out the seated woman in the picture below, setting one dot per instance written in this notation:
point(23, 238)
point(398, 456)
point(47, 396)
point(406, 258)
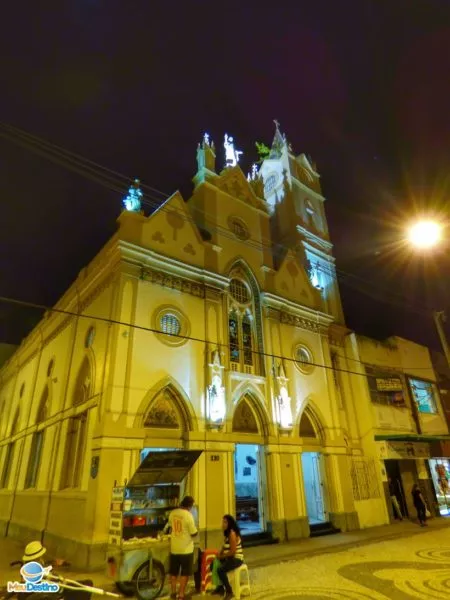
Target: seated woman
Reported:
point(230, 557)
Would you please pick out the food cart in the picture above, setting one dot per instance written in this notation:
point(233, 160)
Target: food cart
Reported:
point(138, 552)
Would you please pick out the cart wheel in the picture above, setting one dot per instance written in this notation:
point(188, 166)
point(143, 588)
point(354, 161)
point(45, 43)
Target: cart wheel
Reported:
point(127, 588)
point(149, 587)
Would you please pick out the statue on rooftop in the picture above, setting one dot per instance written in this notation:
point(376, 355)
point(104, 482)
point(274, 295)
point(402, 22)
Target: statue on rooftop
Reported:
point(231, 154)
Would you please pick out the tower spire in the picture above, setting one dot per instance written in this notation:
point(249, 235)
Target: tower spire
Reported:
point(279, 141)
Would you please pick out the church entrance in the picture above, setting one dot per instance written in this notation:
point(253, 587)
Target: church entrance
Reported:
point(313, 485)
point(249, 467)
point(312, 467)
point(249, 491)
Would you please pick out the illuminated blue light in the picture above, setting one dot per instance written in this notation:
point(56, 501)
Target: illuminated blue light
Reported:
point(133, 201)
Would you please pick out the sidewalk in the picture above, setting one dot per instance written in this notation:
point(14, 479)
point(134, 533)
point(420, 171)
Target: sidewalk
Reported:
point(259, 556)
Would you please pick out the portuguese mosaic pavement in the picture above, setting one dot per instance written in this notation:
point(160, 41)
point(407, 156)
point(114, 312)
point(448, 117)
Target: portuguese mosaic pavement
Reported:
point(412, 568)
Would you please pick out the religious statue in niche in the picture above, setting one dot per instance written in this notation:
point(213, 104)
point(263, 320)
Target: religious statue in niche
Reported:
point(313, 273)
point(231, 154)
point(132, 202)
point(216, 392)
point(283, 401)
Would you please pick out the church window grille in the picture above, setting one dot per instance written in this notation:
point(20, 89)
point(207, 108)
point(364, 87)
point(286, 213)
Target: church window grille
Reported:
point(170, 324)
point(239, 291)
point(270, 184)
point(239, 229)
point(303, 359)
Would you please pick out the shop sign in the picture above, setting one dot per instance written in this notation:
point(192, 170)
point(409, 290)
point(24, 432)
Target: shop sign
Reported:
point(115, 528)
point(391, 384)
point(118, 494)
point(398, 450)
point(116, 516)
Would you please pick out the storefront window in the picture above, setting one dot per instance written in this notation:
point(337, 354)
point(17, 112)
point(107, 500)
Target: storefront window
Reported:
point(440, 473)
point(424, 395)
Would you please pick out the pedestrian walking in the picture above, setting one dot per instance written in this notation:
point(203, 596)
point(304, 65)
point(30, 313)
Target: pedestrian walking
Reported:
point(420, 505)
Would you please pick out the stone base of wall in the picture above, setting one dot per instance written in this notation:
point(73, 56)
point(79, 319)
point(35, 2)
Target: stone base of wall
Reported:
point(23, 533)
point(345, 521)
point(80, 554)
point(291, 529)
point(297, 528)
point(89, 556)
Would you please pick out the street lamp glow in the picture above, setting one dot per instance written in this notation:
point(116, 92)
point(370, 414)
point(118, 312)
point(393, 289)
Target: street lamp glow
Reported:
point(425, 234)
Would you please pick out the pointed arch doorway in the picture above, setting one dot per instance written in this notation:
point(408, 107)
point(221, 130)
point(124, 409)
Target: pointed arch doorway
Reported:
point(166, 421)
point(312, 469)
point(249, 467)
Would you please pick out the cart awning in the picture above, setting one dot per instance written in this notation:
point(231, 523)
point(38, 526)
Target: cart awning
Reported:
point(164, 467)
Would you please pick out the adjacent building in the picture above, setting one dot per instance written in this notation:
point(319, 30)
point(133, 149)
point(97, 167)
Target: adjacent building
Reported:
point(213, 324)
point(402, 423)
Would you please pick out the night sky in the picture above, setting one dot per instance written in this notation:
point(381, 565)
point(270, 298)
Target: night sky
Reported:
point(361, 86)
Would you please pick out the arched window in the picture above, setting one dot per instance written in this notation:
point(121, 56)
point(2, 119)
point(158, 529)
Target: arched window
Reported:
point(9, 454)
point(233, 326)
point(247, 336)
point(244, 326)
point(74, 454)
point(37, 442)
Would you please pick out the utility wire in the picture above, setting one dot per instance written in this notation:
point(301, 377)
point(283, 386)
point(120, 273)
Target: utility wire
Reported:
point(95, 172)
point(183, 337)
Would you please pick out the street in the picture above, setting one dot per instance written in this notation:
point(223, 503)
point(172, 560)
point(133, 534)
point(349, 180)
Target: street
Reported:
point(395, 562)
point(416, 567)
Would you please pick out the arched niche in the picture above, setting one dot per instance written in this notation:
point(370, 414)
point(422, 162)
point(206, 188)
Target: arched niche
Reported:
point(43, 407)
point(167, 410)
point(83, 383)
point(309, 428)
point(247, 418)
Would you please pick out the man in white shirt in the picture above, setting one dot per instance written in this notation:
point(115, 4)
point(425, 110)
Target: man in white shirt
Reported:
point(183, 531)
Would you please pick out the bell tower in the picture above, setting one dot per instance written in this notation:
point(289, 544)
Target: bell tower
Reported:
point(206, 160)
point(293, 193)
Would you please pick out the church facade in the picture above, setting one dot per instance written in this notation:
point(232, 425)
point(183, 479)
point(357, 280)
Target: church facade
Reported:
point(213, 324)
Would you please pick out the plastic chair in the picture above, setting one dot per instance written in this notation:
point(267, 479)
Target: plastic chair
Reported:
point(208, 557)
point(240, 587)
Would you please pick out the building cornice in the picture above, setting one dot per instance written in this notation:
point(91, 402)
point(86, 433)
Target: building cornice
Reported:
point(316, 244)
point(157, 264)
point(296, 315)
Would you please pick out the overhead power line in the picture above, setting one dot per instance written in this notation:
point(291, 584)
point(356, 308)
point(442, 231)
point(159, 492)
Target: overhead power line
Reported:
point(118, 183)
point(259, 353)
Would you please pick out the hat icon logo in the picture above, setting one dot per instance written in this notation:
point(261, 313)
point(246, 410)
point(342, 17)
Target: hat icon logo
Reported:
point(34, 572)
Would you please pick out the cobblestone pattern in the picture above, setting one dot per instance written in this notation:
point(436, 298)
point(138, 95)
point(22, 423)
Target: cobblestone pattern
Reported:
point(416, 568)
